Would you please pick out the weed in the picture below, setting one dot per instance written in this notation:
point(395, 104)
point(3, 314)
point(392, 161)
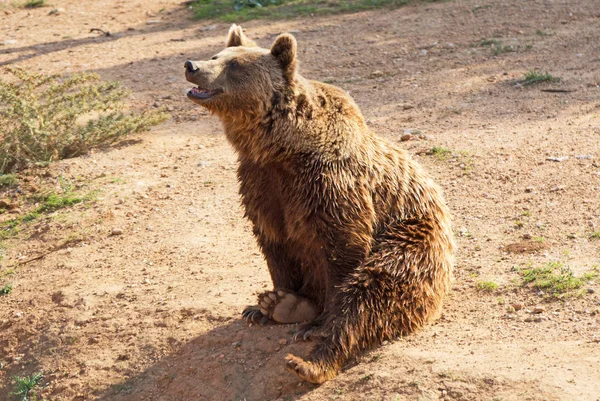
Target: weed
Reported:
point(486, 286)
point(595, 235)
point(7, 289)
point(555, 278)
point(441, 152)
point(496, 46)
point(534, 77)
point(7, 180)
point(500, 49)
point(34, 3)
point(366, 378)
point(25, 386)
point(50, 117)
point(539, 239)
point(539, 32)
point(244, 10)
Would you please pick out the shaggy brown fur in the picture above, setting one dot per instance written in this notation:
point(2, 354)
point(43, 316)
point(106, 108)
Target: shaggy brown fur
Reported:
point(356, 236)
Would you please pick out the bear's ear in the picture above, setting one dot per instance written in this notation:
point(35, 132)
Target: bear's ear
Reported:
point(284, 51)
point(236, 37)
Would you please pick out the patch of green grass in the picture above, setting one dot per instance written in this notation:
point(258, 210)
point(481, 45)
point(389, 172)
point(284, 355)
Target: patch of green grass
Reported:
point(441, 152)
point(50, 117)
point(595, 235)
point(7, 289)
point(539, 239)
point(7, 180)
point(48, 203)
point(496, 46)
point(34, 3)
point(487, 286)
point(25, 386)
point(535, 77)
point(244, 10)
point(539, 32)
point(555, 279)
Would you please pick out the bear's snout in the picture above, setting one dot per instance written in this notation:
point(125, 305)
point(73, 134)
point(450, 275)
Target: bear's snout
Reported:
point(190, 66)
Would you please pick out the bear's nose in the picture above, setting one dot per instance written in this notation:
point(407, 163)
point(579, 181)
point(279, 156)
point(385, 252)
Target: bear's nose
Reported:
point(190, 66)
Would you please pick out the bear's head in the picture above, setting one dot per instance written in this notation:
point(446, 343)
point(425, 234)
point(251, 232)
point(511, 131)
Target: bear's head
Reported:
point(243, 79)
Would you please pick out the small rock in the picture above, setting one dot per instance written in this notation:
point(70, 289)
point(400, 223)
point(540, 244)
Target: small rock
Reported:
point(537, 309)
point(422, 52)
point(94, 340)
point(584, 157)
point(10, 42)
point(407, 106)
point(208, 28)
point(517, 306)
point(149, 228)
point(527, 236)
point(529, 319)
point(557, 159)
point(377, 74)
point(18, 314)
point(406, 137)
point(116, 231)
point(153, 21)
point(283, 341)
point(590, 290)
point(203, 163)
point(529, 190)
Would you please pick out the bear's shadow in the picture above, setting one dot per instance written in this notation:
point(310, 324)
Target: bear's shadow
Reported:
point(230, 362)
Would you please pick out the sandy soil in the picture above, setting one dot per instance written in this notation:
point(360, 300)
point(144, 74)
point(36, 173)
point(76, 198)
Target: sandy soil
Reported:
point(154, 313)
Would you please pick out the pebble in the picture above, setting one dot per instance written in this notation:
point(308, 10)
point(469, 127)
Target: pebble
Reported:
point(557, 159)
point(377, 74)
point(590, 290)
point(283, 341)
point(527, 236)
point(406, 137)
point(203, 164)
point(584, 157)
point(529, 190)
point(116, 231)
point(538, 309)
point(517, 306)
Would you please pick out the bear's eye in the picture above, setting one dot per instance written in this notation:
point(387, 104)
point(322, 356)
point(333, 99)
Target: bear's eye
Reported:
point(233, 63)
point(214, 58)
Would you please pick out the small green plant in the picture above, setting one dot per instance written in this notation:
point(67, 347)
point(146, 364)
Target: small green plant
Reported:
point(496, 46)
point(50, 117)
point(535, 77)
point(25, 386)
point(7, 289)
point(441, 152)
point(539, 239)
point(7, 180)
point(34, 3)
point(595, 235)
point(556, 279)
point(539, 32)
point(486, 286)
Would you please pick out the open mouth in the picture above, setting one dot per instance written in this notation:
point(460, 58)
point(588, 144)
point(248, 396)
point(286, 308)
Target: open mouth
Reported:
point(199, 93)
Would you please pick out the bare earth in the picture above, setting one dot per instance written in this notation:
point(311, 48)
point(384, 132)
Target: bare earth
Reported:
point(155, 313)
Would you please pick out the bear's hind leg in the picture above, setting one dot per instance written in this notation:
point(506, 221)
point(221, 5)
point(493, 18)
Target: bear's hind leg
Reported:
point(396, 291)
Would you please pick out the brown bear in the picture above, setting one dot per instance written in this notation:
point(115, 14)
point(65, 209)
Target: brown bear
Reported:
point(356, 236)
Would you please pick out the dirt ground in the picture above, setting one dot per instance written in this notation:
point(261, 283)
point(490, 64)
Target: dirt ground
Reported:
point(154, 313)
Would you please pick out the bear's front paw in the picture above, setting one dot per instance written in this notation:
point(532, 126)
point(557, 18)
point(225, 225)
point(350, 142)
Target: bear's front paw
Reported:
point(252, 314)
